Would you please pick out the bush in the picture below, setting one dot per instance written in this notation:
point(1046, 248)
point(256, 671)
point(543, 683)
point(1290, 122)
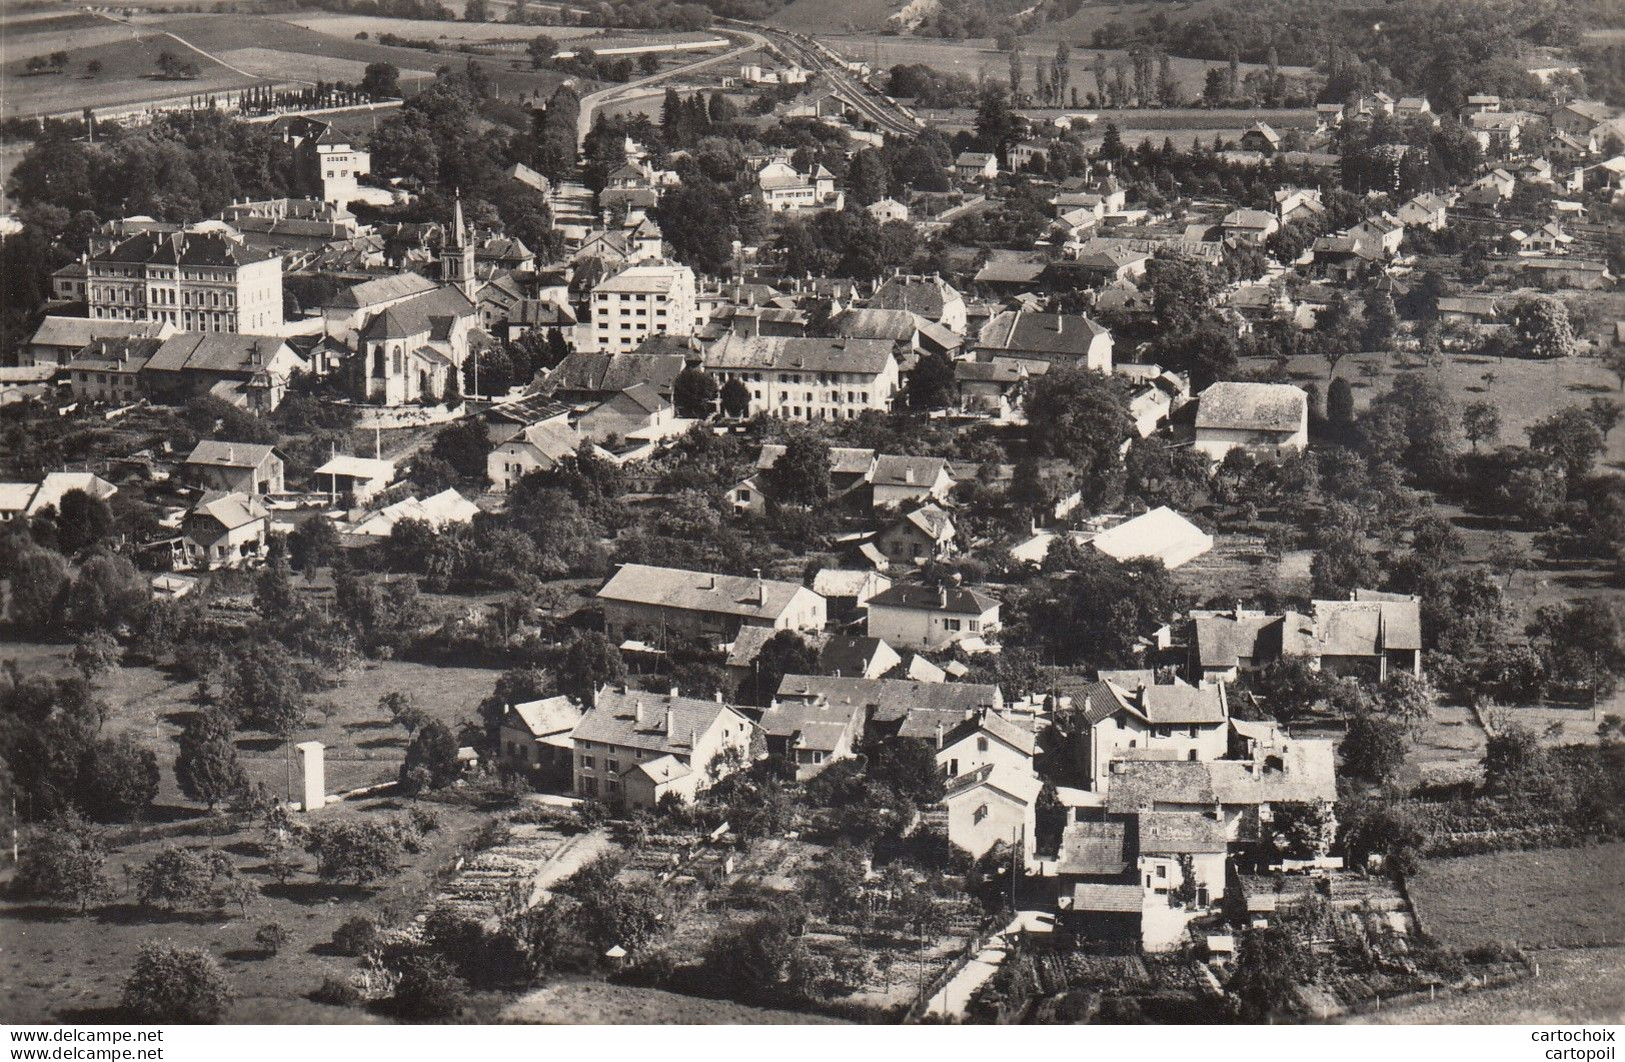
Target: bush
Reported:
point(172, 985)
point(272, 937)
point(336, 992)
point(356, 937)
point(428, 990)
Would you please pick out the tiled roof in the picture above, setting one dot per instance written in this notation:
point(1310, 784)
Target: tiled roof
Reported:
point(1096, 849)
point(1180, 833)
point(215, 352)
point(1252, 406)
point(76, 332)
point(230, 511)
point(806, 354)
point(551, 715)
point(998, 726)
point(651, 721)
point(431, 312)
point(185, 249)
point(891, 700)
point(610, 373)
point(229, 454)
point(816, 724)
point(1368, 625)
point(927, 296)
point(1039, 333)
point(1022, 785)
point(1108, 899)
point(955, 599)
point(700, 591)
point(895, 470)
point(1182, 705)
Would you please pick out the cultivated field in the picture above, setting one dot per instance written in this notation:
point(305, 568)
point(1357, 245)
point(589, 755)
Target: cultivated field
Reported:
point(58, 966)
point(1550, 897)
point(42, 32)
point(599, 1003)
point(270, 63)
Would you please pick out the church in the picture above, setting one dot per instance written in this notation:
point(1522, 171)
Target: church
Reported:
point(411, 350)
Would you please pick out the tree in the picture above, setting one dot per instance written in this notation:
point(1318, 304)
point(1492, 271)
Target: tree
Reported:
point(590, 662)
point(1302, 829)
point(433, 752)
point(315, 542)
point(66, 862)
point(1514, 762)
point(206, 765)
point(1570, 436)
point(403, 711)
point(176, 878)
point(172, 985)
point(931, 383)
point(1340, 406)
point(93, 68)
point(1540, 327)
point(735, 399)
point(39, 587)
point(1406, 698)
point(95, 653)
point(353, 852)
point(1605, 414)
point(381, 81)
point(476, 11)
point(1374, 747)
point(107, 593)
point(263, 688)
point(1381, 322)
point(1270, 964)
point(801, 475)
point(118, 779)
point(1082, 417)
point(1480, 422)
point(82, 521)
point(694, 393)
point(541, 49)
point(786, 653)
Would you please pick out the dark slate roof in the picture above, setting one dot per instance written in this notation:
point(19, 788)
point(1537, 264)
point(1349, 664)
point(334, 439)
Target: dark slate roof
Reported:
point(951, 599)
point(1042, 333)
point(431, 312)
point(891, 700)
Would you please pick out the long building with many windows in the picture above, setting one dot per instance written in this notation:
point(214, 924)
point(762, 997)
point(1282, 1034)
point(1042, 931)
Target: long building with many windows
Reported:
point(195, 281)
point(808, 378)
point(640, 301)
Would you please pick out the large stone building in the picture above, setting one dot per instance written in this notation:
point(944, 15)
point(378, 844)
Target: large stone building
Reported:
point(327, 162)
point(808, 378)
point(640, 301)
point(194, 281)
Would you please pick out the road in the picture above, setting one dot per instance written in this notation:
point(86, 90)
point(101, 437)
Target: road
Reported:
point(593, 100)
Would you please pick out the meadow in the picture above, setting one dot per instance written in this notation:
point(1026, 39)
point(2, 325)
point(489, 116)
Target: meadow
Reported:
point(1550, 897)
point(128, 75)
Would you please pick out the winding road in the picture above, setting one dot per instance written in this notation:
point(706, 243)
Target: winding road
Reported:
point(594, 100)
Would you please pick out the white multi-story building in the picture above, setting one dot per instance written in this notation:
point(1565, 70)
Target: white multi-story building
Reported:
point(808, 378)
point(194, 281)
point(640, 301)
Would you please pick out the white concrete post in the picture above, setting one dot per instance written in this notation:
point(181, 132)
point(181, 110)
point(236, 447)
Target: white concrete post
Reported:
point(313, 773)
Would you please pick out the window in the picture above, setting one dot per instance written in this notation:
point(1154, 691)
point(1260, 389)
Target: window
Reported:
point(981, 744)
point(1162, 870)
point(586, 763)
point(612, 766)
point(950, 624)
point(979, 814)
point(1193, 733)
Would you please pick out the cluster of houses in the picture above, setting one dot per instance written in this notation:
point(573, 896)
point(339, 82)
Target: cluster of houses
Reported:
point(1172, 793)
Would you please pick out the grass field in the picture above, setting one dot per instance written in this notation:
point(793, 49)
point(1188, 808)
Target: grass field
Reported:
point(426, 29)
point(128, 76)
point(39, 33)
point(1574, 986)
point(597, 1003)
point(271, 62)
point(971, 57)
point(1551, 897)
point(363, 747)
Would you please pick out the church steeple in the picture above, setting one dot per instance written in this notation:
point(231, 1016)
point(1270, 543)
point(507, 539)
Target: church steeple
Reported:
point(457, 256)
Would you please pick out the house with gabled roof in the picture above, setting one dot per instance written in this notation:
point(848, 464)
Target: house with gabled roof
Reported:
point(808, 378)
point(930, 297)
point(704, 606)
point(1374, 634)
point(224, 530)
point(805, 735)
point(536, 736)
point(1160, 722)
point(58, 340)
point(251, 372)
point(913, 616)
point(1046, 340)
point(1224, 644)
point(976, 166)
point(922, 534)
point(899, 480)
point(990, 805)
point(632, 747)
point(247, 468)
point(985, 737)
point(1256, 416)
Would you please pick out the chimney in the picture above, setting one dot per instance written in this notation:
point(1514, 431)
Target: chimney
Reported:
point(939, 735)
point(637, 712)
point(719, 696)
point(693, 739)
point(674, 692)
point(942, 596)
point(671, 724)
point(908, 475)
